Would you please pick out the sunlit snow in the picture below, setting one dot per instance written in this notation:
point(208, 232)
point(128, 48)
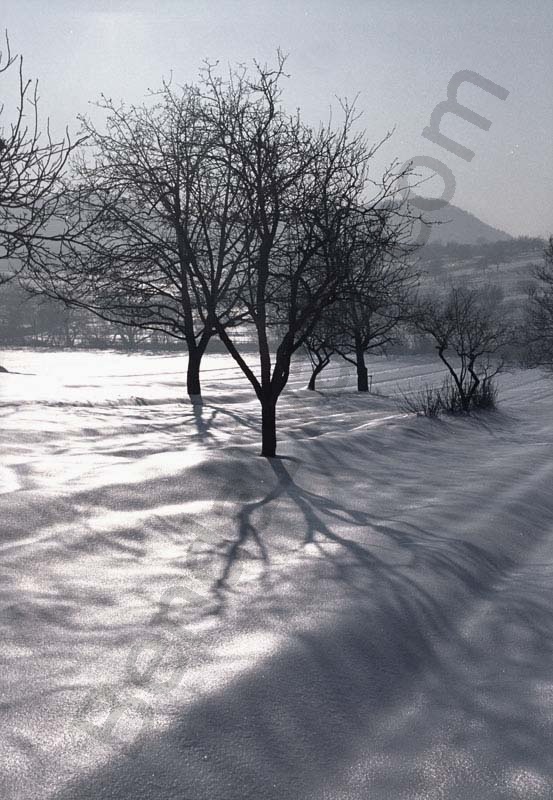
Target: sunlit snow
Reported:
point(368, 615)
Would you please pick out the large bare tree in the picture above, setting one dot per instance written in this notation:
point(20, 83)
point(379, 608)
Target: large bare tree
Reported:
point(160, 224)
point(301, 186)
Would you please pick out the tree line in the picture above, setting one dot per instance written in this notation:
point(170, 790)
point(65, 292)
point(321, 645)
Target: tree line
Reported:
point(31, 320)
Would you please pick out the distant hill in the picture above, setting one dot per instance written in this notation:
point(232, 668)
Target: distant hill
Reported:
point(462, 227)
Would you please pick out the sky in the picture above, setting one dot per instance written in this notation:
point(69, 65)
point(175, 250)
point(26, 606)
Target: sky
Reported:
point(396, 56)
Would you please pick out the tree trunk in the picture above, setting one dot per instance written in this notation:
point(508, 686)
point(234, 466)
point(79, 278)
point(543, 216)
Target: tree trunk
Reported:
point(268, 427)
point(193, 383)
point(317, 369)
point(362, 372)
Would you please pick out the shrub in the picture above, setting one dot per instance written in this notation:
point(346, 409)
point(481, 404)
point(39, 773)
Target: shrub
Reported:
point(449, 399)
point(471, 330)
point(461, 401)
point(426, 402)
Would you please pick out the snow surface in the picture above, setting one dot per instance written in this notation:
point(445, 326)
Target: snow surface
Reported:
point(367, 616)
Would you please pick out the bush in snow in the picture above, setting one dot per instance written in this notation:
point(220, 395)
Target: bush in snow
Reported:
point(471, 329)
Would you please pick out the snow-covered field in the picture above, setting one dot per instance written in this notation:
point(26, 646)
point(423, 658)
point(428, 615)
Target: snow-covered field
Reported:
point(368, 616)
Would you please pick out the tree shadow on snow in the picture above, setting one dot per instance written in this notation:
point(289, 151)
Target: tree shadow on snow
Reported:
point(403, 685)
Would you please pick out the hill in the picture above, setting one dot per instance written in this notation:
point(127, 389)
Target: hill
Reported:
point(459, 226)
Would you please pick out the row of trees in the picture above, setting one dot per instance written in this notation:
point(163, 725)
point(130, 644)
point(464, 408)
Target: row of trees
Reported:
point(210, 210)
point(488, 252)
point(470, 329)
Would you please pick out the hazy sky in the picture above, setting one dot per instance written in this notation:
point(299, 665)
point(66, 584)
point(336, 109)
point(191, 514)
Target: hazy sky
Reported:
point(398, 55)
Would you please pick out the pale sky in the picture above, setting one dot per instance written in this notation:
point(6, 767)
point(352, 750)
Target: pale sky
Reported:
point(398, 55)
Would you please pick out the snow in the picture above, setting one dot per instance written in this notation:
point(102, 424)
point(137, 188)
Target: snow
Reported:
point(367, 616)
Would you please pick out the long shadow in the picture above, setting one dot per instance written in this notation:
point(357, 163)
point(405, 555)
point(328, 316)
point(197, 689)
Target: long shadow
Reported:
point(462, 559)
point(247, 531)
point(395, 680)
point(205, 416)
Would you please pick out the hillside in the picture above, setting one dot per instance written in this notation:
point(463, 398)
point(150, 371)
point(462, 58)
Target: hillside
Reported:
point(456, 225)
point(508, 264)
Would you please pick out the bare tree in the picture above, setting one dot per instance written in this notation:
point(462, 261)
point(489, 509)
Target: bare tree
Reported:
point(470, 328)
point(376, 291)
point(319, 344)
point(159, 224)
point(376, 295)
point(301, 186)
point(539, 313)
point(31, 167)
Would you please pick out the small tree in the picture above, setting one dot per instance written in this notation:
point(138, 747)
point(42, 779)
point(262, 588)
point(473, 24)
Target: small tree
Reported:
point(379, 280)
point(470, 329)
point(375, 294)
point(539, 313)
point(320, 344)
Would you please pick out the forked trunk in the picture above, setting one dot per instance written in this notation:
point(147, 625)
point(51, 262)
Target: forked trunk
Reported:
point(193, 383)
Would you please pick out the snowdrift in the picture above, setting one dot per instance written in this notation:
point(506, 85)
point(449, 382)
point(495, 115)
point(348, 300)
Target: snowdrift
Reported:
point(366, 616)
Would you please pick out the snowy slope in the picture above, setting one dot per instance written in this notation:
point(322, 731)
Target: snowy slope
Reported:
point(367, 616)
